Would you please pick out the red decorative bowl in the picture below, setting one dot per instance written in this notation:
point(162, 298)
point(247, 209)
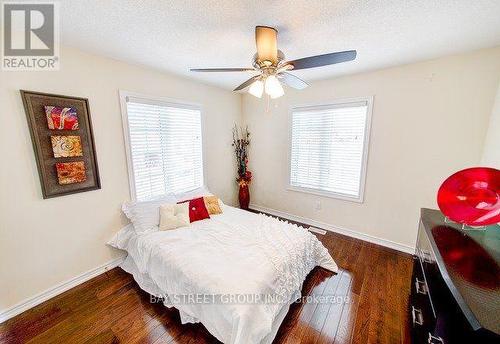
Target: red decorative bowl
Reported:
point(471, 196)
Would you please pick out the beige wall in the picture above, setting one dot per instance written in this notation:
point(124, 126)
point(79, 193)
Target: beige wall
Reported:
point(45, 242)
point(491, 152)
point(429, 120)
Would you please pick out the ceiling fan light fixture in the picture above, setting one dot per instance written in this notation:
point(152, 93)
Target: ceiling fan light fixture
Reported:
point(267, 45)
point(256, 89)
point(270, 64)
point(273, 87)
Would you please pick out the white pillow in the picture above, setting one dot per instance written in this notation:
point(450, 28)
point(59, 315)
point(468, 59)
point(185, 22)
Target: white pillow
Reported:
point(199, 192)
point(121, 239)
point(145, 216)
point(174, 215)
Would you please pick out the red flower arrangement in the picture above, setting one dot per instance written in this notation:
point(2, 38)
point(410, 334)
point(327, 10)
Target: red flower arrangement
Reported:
point(245, 179)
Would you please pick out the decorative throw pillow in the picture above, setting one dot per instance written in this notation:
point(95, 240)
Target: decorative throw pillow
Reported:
point(212, 205)
point(173, 216)
point(197, 209)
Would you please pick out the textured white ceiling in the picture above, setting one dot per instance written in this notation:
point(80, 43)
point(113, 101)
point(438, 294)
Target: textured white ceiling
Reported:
point(177, 35)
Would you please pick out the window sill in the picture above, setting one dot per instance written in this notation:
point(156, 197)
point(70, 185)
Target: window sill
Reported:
point(328, 194)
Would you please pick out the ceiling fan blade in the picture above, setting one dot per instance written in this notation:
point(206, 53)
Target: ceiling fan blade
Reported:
point(323, 60)
point(222, 69)
point(293, 81)
point(246, 83)
point(266, 39)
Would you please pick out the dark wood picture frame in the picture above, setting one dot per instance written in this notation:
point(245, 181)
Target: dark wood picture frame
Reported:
point(34, 103)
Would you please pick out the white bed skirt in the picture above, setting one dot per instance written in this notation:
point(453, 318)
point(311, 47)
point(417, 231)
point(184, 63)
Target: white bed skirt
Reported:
point(149, 286)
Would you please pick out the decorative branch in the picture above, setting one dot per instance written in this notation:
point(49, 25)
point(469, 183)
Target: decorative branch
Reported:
point(241, 141)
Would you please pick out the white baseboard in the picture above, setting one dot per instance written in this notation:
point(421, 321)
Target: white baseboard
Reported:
point(31, 302)
point(336, 229)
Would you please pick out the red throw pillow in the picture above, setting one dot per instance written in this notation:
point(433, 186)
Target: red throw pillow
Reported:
point(197, 209)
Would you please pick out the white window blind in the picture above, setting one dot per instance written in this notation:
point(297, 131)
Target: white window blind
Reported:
point(165, 147)
point(327, 149)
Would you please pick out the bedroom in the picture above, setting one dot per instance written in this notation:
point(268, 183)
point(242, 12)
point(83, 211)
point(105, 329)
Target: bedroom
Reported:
point(421, 94)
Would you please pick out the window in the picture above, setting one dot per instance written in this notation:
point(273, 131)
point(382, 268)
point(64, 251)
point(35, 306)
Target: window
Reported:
point(329, 149)
point(164, 147)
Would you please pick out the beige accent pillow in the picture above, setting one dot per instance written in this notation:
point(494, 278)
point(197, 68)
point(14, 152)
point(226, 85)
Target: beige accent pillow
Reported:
point(173, 216)
point(212, 205)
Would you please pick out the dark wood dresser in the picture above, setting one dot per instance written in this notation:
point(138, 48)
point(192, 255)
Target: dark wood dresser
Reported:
point(455, 294)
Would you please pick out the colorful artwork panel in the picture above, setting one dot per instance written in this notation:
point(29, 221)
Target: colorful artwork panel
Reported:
point(70, 172)
point(66, 146)
point(61, 118)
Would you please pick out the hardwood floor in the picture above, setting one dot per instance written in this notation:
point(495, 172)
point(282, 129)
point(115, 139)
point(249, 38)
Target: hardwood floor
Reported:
point(111, 308)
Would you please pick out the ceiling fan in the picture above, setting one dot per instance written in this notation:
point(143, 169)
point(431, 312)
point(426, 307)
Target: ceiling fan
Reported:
point(273, 69)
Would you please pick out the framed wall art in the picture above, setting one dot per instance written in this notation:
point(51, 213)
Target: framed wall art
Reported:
point(61, 132)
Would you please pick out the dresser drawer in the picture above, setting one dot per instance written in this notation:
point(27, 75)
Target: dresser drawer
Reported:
point(422, 316)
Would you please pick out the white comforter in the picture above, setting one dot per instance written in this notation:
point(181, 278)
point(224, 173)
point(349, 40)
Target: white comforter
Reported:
point(234, 253)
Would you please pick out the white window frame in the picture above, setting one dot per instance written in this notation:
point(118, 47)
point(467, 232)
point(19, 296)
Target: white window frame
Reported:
point(364, 161)
point(126, 133)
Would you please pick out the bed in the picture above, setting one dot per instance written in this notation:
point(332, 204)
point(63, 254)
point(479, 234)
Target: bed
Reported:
point(237, 273)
